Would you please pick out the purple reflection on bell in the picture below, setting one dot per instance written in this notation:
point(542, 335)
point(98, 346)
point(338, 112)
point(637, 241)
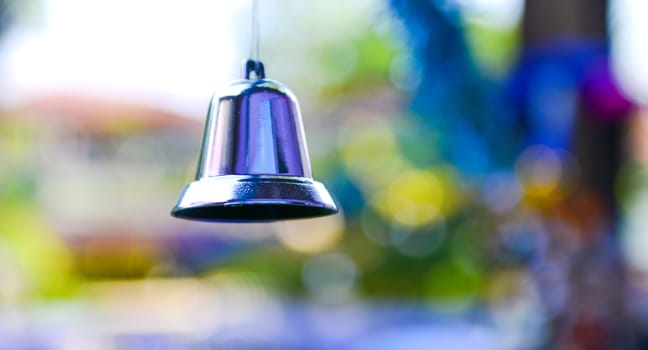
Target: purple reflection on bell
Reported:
point(255, 129)
point(254, 162)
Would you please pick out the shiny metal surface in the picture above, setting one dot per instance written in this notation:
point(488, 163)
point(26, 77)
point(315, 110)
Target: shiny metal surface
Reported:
point(253, 198)
point(254, 163)
point(254, 127)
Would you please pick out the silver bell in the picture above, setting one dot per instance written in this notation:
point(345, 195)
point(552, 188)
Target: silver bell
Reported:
point(254, 163)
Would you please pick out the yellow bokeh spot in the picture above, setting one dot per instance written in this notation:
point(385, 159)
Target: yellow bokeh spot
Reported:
point(539, 170)
point(413, 198)
point(45, 263)
point(311, 235)
point(371, 156)
point(396, 188)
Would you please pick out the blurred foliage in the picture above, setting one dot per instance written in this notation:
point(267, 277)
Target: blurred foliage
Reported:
point(44, 261)
point(372, 57)
point(494, 48)
point(4, 16)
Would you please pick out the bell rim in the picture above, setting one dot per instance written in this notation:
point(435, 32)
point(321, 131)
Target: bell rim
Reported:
point(253, 198)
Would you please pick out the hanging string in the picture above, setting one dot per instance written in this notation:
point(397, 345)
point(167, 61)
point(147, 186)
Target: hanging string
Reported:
point(254, 43)
point(253, 67)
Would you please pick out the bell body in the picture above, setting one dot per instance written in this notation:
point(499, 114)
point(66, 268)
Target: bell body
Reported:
point(254, 163)
point(254, 128)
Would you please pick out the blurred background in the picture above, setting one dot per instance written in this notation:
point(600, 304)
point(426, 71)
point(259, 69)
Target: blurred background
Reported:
point(490, 158)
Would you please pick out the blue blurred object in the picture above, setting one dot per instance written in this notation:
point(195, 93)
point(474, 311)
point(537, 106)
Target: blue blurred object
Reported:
point(476, 133)
point(553, 81)
point(353, 201)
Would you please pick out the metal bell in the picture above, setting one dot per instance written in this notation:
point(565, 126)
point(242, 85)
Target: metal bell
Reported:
point(254, 162)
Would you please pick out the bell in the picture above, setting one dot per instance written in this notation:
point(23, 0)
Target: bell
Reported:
point(254, 162)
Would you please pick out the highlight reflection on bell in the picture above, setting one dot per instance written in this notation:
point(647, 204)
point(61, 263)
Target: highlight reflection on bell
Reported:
point(254, 163)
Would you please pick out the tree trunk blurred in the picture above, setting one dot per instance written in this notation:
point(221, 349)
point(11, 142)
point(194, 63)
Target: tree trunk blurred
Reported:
point(595, 316)
point(547, 20)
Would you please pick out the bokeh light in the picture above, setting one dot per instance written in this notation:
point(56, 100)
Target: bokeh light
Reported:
point(311, 235)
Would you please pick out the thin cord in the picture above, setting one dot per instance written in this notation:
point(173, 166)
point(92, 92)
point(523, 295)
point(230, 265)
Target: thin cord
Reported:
point(254, 44)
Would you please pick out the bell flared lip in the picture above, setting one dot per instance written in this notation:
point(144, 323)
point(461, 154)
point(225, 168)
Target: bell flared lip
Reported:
point(253, 198)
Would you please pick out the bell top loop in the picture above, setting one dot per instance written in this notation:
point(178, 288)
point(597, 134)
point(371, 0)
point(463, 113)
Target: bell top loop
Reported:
point(250, 66)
